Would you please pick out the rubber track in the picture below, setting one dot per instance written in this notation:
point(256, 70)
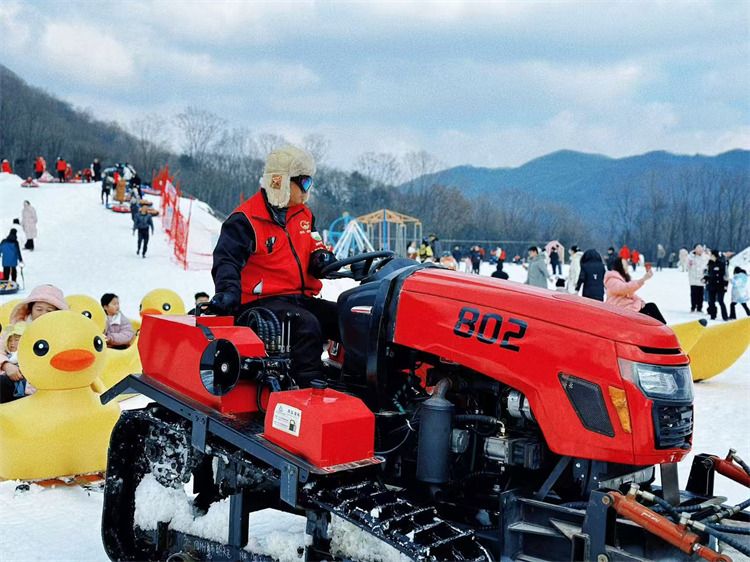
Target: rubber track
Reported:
point(415, 531)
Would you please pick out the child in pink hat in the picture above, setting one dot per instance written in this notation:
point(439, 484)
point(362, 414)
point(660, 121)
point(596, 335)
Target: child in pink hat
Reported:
point(43, 299)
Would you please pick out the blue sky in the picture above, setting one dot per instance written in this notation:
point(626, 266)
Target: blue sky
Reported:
point(481, 83)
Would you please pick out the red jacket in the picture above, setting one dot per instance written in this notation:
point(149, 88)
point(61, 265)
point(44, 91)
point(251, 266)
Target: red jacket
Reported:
point(62, 165)
point(40, 165)
point(6, 168)
point(278, 263)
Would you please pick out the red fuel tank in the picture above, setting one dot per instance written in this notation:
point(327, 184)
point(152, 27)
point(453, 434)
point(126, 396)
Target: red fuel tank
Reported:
point(325, 427)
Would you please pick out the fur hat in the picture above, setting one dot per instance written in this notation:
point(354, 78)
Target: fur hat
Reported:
point(42, 293)
point(281, 165)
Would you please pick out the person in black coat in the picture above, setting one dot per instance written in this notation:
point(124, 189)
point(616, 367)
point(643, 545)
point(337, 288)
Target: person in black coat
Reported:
point(611, 258)
point(96, 170)
point(476, 259)
point(554, 261)
point(499, 273)
point(592, 275)
point(716, 283)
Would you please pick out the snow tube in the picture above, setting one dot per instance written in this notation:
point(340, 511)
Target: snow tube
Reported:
point(718, 348)
point(152, 211)
point(689, 333)
point(150, 190)
point(29, 183)
point(120, 208)
point(9, 287)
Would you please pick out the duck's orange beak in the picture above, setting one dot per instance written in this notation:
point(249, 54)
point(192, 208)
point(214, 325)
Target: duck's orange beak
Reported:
point(149, 311)
point(73, 360)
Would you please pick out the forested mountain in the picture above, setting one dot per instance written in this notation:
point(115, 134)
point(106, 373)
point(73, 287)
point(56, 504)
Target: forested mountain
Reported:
point(585, 199)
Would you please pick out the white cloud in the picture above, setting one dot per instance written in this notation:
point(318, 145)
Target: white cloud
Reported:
point(87, 53)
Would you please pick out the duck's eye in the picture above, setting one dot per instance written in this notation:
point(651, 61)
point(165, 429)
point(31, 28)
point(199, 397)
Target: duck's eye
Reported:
point(86, 313)
point(41, 348)
point(166, 307)
point(98, 343)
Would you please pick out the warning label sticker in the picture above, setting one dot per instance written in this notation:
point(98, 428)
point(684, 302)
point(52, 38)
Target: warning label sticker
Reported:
point(287, 419)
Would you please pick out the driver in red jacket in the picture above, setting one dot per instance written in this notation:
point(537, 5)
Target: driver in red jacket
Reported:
point(269, 255)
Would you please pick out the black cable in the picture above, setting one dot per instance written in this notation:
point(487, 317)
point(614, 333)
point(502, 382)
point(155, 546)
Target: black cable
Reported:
point(729, 539)
point(730, 529)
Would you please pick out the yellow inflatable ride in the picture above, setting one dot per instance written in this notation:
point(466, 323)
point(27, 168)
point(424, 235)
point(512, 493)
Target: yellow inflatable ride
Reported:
point(5, 311)
point(160, 301)
point(62, 429)
point(718, 348)
point(119, 363)
point(712, 350)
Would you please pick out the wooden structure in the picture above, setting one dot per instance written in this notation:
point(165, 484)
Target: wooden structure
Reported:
point(389, 230)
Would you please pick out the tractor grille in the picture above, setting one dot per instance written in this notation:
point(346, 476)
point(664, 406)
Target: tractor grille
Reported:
point(673, 426)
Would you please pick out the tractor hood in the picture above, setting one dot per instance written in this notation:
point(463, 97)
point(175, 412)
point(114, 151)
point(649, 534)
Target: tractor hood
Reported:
point(570, 311)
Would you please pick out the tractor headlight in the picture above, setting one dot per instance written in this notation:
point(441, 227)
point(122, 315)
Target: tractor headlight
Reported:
point(659, 382)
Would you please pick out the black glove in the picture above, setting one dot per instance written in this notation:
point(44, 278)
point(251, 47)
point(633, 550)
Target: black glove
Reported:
point(223, 303)
point(318, 260)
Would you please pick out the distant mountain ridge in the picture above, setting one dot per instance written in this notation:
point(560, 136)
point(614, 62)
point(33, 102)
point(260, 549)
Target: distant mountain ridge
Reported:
point(576, 178)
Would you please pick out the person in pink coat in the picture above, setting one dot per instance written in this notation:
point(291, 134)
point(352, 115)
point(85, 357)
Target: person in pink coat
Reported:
point(621, 290)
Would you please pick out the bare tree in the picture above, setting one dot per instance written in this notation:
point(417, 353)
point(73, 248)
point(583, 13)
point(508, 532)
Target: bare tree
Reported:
point(152, 145)
point(266, 143)
point(380, 167)
point(199, 129)
point(418, 165)
point(317, 145)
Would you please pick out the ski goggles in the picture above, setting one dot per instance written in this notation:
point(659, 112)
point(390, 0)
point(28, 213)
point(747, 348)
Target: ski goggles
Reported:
point(305, 183)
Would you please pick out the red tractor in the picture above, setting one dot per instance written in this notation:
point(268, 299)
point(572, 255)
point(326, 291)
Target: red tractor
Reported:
point(462, 418)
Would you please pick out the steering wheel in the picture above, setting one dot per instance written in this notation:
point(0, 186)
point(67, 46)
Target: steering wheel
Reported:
point(331, 271)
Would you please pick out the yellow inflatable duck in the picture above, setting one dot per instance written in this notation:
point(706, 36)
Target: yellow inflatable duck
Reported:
point(119, 363)
point(689, 333)
point(719, 348)
point(90, 308)
point(62, 429)
point(5, 311)
point(160, 301)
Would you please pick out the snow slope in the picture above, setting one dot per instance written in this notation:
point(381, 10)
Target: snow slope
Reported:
point(83, 248)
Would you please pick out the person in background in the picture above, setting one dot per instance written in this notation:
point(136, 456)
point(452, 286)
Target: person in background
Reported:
point(574, 271)
point(96, 170)
point(621, 290)
point(672, 260)
point(28, 222)
point(554, 261)
point(426, 252)
point(635, 259)
point(119, 332)
point(611, 257)
point(499, 273)
point(142, 223)
point(87, 175)
point(476, 259)
point(717, 281)
point(457, 254)
point(135, 204)
point(592, 276)
point(684, 257)
point(61, 167)
point(740, 292)
point(200, 298)
point(537, 269)
point(40, 166)
point(695, 265)
point(6, 167)
point(11, 253)
point(412, 251)
point(661, 253)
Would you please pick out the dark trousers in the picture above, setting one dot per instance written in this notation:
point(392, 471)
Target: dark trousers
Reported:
point(105, 195)
point(658, 264)
point(313, 322)
point(696, 298)
point(142, 238)
point(10, 274)
point(38, 174)
point(61, 175)
point(650, 309)
point(733, 310)
point(713, 296)
point(556, 268)
point(475, 266)
point(7, 389)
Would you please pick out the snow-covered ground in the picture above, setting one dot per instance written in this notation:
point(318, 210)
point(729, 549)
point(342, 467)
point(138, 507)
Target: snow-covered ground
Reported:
point(83, 248)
